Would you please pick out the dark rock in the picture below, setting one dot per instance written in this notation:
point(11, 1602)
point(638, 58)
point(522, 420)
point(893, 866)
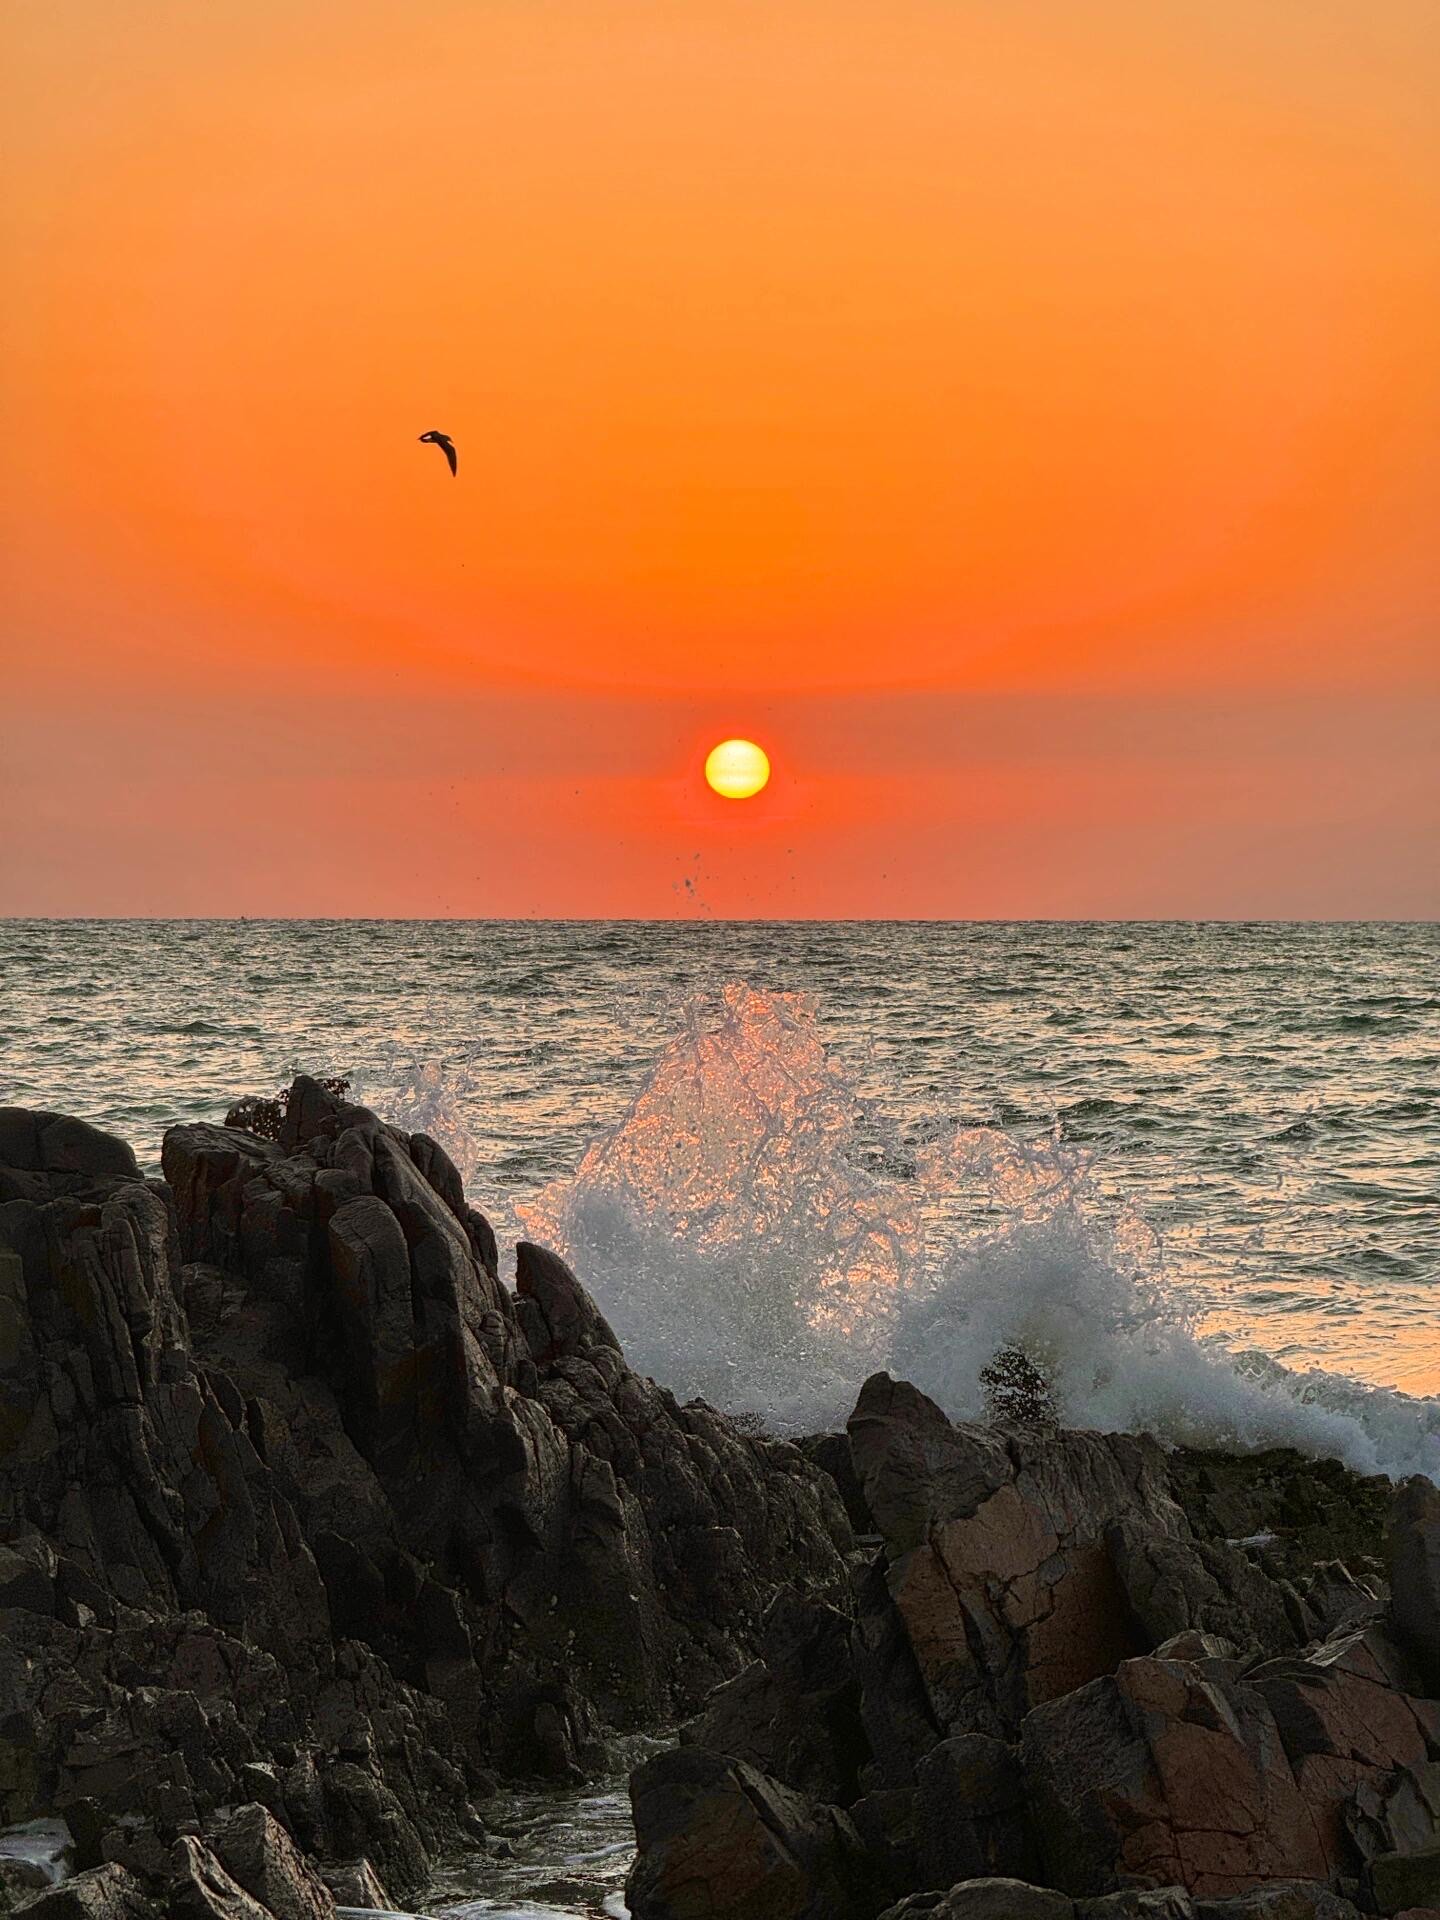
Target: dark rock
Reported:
point(1413, 1554)
point(482, 1240)
point(259, 1781)
point(1306, 1511)
point(371, 1265)
point(719, 1841)
point(311, 1108)
point(102, 1893)
point(301, 1513)
point(563, 1740)
point(986, 1899)
point(559, 1317)
point(332, 1541)
point(1402, 1882)
point(1018, 1568)
point(831, 1452)
point(1393, 1819)
point(257, 1852)
point(1175, 1584)
point(138, 1845)
point(794, 1714)
point(201, 1889)
point(1139, 1903)
point(1281, 1900)
point(355, 1883)
point(888, 1821)
point(27, 1576)
point(1347, 1721)
point(973, 1815)
point(1022, 1582)
point(915, 1469)
point(363, 1813)
point(34, 1142)
point(1194, 1645)
point(1166, 1774)
point(87, 1825)
point(1181, 1772)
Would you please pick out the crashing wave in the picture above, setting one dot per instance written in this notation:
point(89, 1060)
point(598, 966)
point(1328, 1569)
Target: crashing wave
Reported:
point(750, 1244)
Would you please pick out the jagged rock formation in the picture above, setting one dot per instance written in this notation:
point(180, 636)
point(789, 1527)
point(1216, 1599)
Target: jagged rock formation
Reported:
point(303, 1514)
point(1060, 1696)
point(718, 1831)
point(310, 1528)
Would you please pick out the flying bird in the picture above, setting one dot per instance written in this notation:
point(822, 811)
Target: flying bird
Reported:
point(445, 444)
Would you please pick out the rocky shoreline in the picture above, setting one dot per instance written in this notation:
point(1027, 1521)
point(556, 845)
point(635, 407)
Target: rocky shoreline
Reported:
point(312, 1531)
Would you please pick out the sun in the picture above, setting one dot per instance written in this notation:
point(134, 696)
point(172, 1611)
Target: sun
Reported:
point(737, 769)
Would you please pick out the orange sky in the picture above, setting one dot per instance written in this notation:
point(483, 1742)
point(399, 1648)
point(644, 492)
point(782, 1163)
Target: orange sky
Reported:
point(1022, 416)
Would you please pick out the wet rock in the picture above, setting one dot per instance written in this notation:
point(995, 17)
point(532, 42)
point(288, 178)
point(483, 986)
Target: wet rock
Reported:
point(37, 1854)
point(1191, 1645)
point(1139, 1903)
point(102, 1893)
point(1282, 1900)
point(1413, 1554)
point(563, 1740)
point(362, 1812)
point(257, 1852)
point(719, 1841)
point(995, 1898)
point(201, 1889)
point(355, 1883)
point(563, 1887)
point(1300, 1512)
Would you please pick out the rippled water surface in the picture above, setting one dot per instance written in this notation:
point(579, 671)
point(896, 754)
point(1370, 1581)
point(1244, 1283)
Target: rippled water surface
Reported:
point(565, 1853)
point(1267, 1097)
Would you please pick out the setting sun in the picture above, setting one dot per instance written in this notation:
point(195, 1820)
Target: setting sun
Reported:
point(737, 769)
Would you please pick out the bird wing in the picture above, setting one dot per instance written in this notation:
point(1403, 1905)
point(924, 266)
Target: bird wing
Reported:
point(448, 448)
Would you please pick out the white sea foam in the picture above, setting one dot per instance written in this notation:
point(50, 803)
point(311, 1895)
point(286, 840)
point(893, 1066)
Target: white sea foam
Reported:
point(750, 1245)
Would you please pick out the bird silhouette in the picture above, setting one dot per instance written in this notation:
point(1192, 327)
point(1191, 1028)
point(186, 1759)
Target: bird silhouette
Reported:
point(446, 445)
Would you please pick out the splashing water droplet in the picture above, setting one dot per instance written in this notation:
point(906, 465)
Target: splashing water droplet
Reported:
point(756, 1239)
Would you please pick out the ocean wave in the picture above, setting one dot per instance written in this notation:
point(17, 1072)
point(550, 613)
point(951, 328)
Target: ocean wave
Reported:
point(750, 1246)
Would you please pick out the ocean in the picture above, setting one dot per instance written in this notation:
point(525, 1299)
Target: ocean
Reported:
point(1194, 1168)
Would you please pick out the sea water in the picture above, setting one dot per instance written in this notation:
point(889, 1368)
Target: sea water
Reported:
point(1194, 1168)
